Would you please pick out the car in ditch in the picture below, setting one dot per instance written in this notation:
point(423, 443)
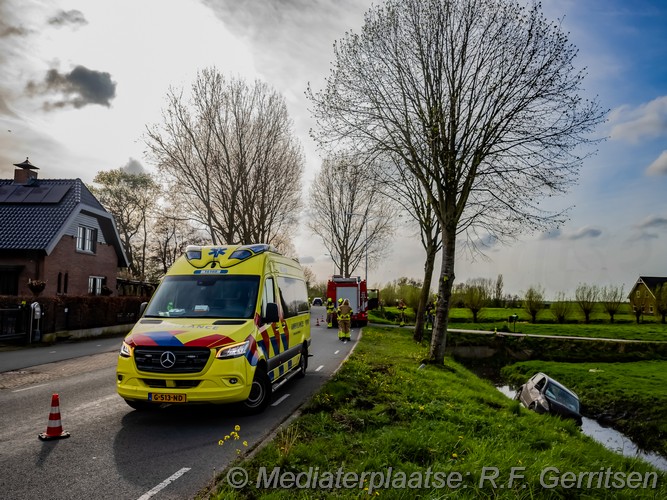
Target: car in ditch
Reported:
point(544, 394)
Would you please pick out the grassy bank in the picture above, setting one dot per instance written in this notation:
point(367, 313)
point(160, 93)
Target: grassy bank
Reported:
point(624, 326)
point(644, 331)
point(631, 396)
point(429, 432)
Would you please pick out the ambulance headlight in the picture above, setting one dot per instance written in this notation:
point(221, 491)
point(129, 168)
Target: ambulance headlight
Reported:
point(125, 350)
point(233, 351)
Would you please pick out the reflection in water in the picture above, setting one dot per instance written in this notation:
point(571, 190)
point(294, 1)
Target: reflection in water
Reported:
point(610, 438)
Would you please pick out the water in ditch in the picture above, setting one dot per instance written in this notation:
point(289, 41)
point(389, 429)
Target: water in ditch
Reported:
point(610, 438)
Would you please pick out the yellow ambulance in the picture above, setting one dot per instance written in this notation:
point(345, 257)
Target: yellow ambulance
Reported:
point(226, 324)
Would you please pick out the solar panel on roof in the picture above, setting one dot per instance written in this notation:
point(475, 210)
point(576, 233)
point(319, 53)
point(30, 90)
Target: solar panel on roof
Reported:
point(37, 194)
point(33, 194)
point(56, 194)
point(18, 195)
point(4, 192)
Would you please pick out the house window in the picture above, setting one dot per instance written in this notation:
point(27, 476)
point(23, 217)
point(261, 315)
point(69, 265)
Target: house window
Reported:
point(95, 285)
point(9, 280)
point(62, 282)
point(650, 309)
point(86, 238)
point(638, 294)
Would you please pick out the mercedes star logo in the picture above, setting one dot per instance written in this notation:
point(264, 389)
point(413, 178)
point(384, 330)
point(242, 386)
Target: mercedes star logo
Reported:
point(168, 359)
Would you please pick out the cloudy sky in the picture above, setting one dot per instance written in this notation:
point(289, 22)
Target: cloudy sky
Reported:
point(80, 80)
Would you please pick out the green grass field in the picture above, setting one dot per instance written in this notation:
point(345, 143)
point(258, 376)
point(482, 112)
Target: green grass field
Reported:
point(389, 422)
point(624, 326)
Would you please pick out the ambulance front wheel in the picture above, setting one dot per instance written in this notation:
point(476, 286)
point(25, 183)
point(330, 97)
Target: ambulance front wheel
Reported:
point(260, 392)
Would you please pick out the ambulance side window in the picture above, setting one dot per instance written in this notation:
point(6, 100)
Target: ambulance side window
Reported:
point(269, 295)
point(293, 296)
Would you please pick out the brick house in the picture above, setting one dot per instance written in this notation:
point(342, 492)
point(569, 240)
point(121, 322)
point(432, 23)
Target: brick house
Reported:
point(642, 296)
point(56, 231)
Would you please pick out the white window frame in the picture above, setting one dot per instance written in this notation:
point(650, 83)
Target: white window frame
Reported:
point(86, 239)
point(95, 284)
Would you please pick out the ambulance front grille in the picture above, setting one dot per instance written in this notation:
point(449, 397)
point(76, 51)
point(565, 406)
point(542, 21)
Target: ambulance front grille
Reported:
point(177, 384)
point(171, 359)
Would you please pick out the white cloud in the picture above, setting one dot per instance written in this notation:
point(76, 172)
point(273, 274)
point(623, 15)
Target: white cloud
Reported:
point(659, 166)
point(633, 124)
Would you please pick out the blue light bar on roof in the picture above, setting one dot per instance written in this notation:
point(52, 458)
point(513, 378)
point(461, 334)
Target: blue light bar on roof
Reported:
point(246, 251)
point(241, 254)
point(193, 252)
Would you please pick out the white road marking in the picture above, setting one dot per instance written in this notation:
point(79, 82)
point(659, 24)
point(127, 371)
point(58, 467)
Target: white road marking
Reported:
point(95, 404)
point(28, 388)
point(164, 484)
point(336, 352)
point(280, 400)
point(319, 368)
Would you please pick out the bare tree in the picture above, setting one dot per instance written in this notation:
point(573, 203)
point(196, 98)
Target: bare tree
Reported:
point(170, 235)
point(476, 295)
point(130, 198)
point(611, 298)
point(230, 154)
point(349, 214)
point(587, 296)
point(311, 278)
point(498, 292)
point(638, 302)
point(660, 294)
point(561, 307)
point(479, 99)
point(533, 302)
point(458, 290)
point(406, 190)
point(318, 289)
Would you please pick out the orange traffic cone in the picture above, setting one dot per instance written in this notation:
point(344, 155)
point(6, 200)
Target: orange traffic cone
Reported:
point(54, 430)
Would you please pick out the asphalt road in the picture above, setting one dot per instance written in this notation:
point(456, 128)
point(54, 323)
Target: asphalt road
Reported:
point(28, 356)
point(115, 452)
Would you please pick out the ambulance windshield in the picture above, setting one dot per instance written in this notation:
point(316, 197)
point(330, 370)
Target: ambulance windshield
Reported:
point(209, 296)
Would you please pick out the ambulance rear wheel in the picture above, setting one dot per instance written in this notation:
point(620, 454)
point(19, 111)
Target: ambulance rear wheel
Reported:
point(303, 362)
point(260, 393)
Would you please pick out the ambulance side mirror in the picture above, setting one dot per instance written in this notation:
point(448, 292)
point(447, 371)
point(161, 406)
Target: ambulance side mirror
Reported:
point(142, 308)
point(271, 313)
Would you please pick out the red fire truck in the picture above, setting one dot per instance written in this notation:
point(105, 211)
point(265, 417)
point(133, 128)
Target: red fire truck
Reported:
point(353, 289)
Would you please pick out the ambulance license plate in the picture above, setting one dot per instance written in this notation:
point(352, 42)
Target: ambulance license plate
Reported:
point(167, 398)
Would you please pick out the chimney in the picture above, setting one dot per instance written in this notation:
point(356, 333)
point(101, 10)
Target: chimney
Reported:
point(26, 173)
